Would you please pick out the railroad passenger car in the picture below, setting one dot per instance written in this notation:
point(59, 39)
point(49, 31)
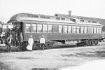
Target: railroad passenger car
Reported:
point(58, 29)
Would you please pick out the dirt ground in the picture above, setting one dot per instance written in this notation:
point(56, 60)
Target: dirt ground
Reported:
point(51, 59)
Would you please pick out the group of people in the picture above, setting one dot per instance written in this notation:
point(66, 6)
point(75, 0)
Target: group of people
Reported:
point(31, 42)
point(13, 37)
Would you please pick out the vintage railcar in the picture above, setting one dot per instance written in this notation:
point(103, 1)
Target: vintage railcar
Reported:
point(57, 29)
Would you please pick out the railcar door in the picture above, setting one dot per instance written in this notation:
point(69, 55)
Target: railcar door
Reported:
point(17, 33)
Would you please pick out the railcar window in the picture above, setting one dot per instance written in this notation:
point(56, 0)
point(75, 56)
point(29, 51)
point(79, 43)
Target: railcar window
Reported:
point(33, 27)
point(73, 29)
point(82, 30)
point(44, 28)
point(74, 20)
point(95, 30)
point(39, 27)
point(62, 18)
point(69, 29)
point(28, 28)
point(85, 29)
point(60, 28)
point(77, 29)
point(0, 25)
point(45, 17)
point(55, 28)
point(49, 28)
point(65, 29)
point(36, 16)
point(92, 30)
point(4, 26)
point(58, 18)
point(82, 20)
point(99, 30)
point(89, 29)
point(0, 28)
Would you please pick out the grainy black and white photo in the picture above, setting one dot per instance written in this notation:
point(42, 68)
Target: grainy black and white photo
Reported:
point(52, 34)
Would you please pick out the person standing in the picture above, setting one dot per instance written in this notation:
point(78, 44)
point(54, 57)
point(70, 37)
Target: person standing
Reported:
point(9, 41)
point(30, 43)
point(42, 42)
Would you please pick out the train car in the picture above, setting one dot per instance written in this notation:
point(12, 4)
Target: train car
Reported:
point(57, 29)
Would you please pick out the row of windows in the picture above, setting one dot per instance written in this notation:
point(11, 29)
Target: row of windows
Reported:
point(77, 29)
point(38, 28)
point(61, 28)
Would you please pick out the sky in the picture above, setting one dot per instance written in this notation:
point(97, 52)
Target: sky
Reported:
point(87, 8)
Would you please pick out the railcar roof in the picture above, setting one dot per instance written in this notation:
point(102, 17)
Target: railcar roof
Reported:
point(27, 16)
point(93, 19)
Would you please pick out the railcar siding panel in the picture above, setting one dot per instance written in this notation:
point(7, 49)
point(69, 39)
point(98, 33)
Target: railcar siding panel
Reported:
point(59, 36)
